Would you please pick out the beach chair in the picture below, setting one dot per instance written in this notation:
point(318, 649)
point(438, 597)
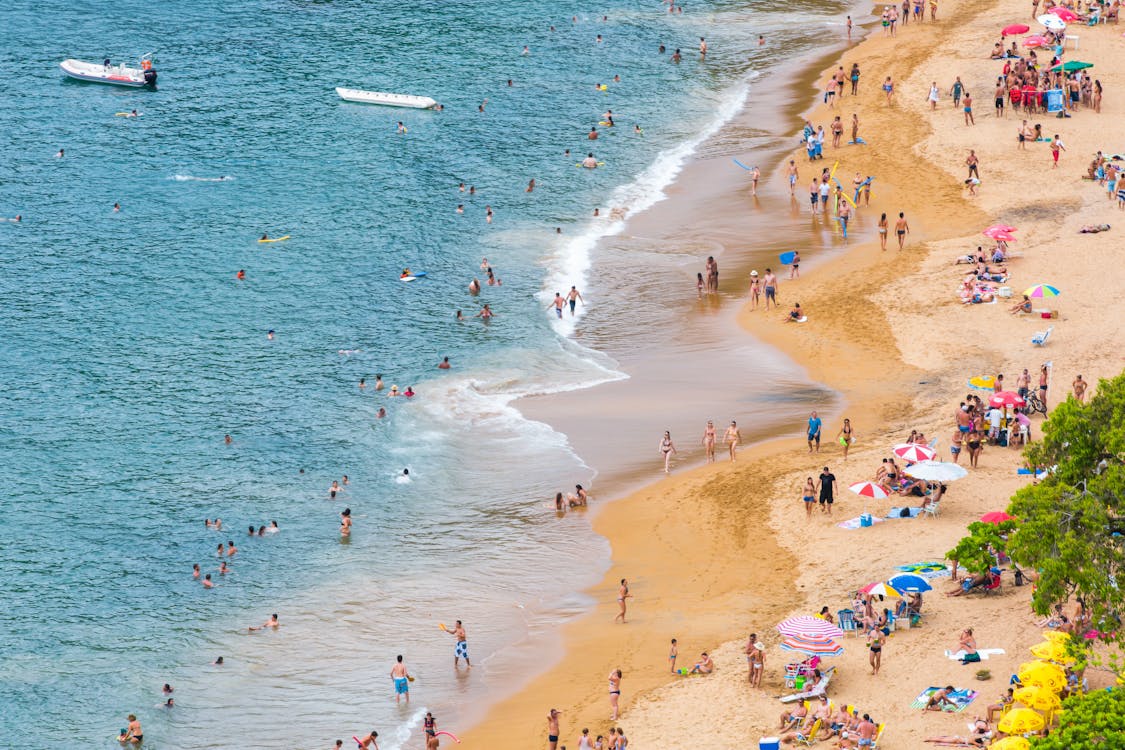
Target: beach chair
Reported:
point(807, 739)
point(932, 509)
point(815, 691)
point(845, 620)
point(878, 736)
point(791, 673)
point(1040, 337)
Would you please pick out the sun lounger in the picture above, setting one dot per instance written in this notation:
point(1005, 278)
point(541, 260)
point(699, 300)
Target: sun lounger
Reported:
point(815, 691)
point(1040, 337)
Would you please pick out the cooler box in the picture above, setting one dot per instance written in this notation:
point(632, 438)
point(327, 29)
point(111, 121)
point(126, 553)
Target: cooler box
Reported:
point(799, 683)
point(769, 743)
point(865, 519)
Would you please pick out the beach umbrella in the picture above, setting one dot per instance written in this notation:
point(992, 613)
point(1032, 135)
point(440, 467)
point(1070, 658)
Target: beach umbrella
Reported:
point(1056, 635)
point(982, 382)
point(1038, 698)
point(812, 646)
point(1042, 673)
point(1035, 40)
point(868, 489)
point(1052, 651)
point(1011, 743)
point(1052, 22)
point(910, 584)
point(1065, 14)
point(880, 589)
point(1072, 65)
point(1002, 228)
point(1020, 720)
point(913, 452)
point(807, 626)
point(1042, 291)
point(999, 235)
point(996, 516)
point(936, 471)
point(1015, 28)
point(1005, 399)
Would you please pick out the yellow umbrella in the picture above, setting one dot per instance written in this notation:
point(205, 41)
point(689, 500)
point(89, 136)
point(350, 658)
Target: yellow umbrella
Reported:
point(1039, 698)
point(982, 382)
point(1052, 651)
point(1056, 636)
point(1010, 743)
point(1042, 673)
point(1020, 720)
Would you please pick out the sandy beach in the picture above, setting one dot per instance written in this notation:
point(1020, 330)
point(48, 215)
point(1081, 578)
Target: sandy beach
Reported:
point(719, 551)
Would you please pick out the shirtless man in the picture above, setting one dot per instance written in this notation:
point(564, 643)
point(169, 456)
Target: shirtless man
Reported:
point(770, 283)
point(937, 702)
point(1023, 383)
point(590, 162)
point(901, 229)
point(1079, 386)
point(369, 741)
point(572, 297)
point(733, 438)
point(553, 729)
point(791, 174)
point(593, 134)
point(270, 623)
point(866, 732)
point(793, 717)
point(558, 303)
point(705, 665)
point(461, 650)
point(755, 175)
point(401, 677)
point(709, 441)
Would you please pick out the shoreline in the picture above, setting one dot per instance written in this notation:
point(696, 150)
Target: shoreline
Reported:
point(846, 351)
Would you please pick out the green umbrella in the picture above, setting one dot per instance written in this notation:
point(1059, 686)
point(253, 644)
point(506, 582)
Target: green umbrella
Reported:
point(1072, 65)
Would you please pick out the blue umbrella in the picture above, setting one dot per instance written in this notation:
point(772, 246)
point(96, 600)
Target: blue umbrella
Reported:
point(910, 583)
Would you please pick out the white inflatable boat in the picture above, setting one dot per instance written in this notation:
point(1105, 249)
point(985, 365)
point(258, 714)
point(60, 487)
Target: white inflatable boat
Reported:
point(116, 75)
point(387, 100)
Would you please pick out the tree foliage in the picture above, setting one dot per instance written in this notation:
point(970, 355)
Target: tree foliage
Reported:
point(1071, 524)
point(976, 552)
point(1095, 721)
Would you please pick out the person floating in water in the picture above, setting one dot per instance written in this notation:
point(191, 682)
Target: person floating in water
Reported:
point(590, 162)
point(270, 623)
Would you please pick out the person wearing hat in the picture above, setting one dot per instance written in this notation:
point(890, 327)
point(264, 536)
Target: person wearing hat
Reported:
point(394, 391)
point(755, 290)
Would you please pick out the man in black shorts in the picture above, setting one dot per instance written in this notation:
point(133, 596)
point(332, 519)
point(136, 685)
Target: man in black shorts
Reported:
point(827, 486)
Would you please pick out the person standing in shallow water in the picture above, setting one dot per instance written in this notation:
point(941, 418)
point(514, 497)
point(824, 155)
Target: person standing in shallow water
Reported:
point(668, 448)
point(709, 441)
point(622, 595)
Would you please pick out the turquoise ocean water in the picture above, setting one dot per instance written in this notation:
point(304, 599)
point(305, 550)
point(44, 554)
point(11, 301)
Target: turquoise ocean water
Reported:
point(128, 348)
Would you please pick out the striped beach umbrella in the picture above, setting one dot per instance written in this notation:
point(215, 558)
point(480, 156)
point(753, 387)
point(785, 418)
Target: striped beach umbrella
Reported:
point(913, 452)
point(1042, 291)
point(813, 646)
point(869, 489)
point(880, 589)
point(807, 626)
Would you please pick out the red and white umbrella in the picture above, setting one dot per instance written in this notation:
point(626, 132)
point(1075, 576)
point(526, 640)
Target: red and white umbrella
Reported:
point(1065, 14)
point(808, 626)
point(869, 489)
point(999, 235)
point(1004, 399)
point(913, 452)
point(812, 646)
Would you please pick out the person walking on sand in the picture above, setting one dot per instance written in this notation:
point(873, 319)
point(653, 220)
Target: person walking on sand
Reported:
point(968, 109)
point(1056, 148)
point(553, 729)
point(813, 432)
point(771, 286)
point(1079, 386)
point(622, 595)
point(808, 496)
point(902, 227)
point(889, 90)
point(826, 484)
point(614, 692)
point(709, 441)
point(733, 438)
point(973, 163)
point(791, 174)
point(401, 677)
point(845, 437)
point(795, 265)
point(935, 94)
point(855, 129)
point(668, 448)
point(755, 290)
point(756, 656)
point(875, 647)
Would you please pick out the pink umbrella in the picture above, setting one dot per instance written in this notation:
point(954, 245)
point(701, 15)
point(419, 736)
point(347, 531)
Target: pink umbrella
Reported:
point(996, 516)
point(869, 489)
point(1066, 14)
point(1035, 41)
point(1015, 28)
point(1000, 236)
point(913, 452)
point(1006, 399)
point(1002, 228)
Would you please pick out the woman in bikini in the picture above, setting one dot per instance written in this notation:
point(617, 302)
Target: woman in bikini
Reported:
point(808, 495)
point(668, 448)
point(708, 441)
point(844, 437)
point(346, 523)
point(755, 290)
point(974, 443)
point(614, 691)
point(883, 232)
point(622, 595)
point(875, 645)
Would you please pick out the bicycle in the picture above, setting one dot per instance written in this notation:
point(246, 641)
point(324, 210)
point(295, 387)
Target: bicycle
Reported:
point(1034, 404)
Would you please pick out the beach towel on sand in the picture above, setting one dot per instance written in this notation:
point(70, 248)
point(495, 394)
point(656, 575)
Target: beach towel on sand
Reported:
point(897, 513)
point(925, 569)
point(962, 698)
point(984, 653)
point(854, 523)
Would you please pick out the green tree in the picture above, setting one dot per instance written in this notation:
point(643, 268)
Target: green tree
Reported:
point(1071, 523)
point(1095, 721)
point(976, 552)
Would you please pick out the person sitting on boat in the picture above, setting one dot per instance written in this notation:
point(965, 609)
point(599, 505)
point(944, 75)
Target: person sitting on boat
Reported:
point(107, 64)
point(590, 162)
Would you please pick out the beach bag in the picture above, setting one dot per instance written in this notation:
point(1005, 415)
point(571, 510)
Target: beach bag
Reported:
point(904, 513)
point(1003, 440)
point(971, 658)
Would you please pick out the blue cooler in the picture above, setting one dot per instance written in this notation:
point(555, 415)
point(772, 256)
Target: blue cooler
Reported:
point(865, 519)
point(769, 743)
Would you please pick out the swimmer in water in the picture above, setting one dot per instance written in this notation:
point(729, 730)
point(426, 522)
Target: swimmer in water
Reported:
point(404, 477)
point(265, 236)
point(241, 275)
point(218, 662)
point(460, 317)
point(223, 569)
point(195, 568)
point(369, 741)
point(485, 313)
point(207, 582)
point(228, 440)
point(378, 382)
point(60, 154)
point(346, 522)
point(444, 364)
point(474, 287)
point(460, 208)
point(637, 130)
point(269, 334)
point(526, 50)
point(590, 162)
point(116, 207)
point(409, 392)
point(270, 623)
point(273, 528)
point(593, 134)
point(530, 185)
point(381, 413)
point(401, 128)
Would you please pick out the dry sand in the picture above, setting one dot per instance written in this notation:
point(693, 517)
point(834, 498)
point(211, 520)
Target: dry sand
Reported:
point(722, 550)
